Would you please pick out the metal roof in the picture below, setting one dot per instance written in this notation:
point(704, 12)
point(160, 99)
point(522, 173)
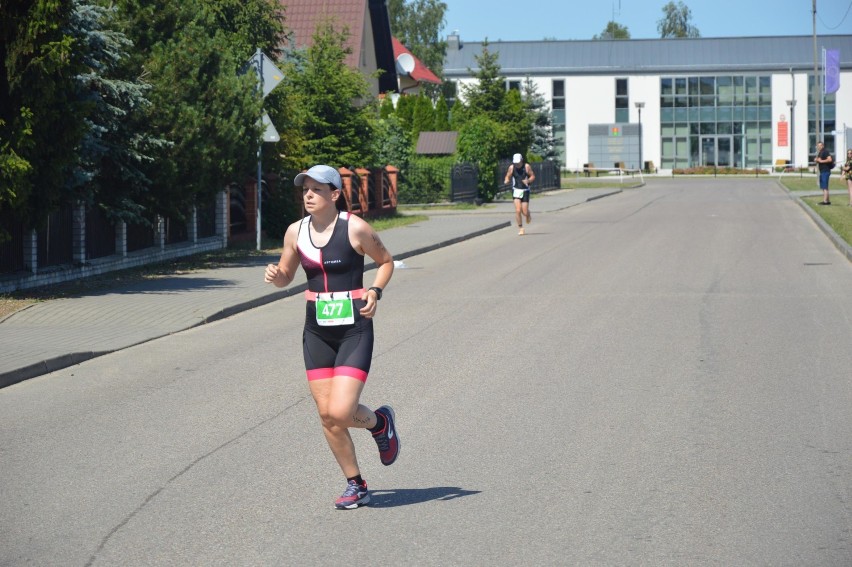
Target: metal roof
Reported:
point(437, 143)
point(647, 56)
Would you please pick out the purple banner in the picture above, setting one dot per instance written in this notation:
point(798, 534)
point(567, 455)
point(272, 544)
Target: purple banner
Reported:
point(832, 70)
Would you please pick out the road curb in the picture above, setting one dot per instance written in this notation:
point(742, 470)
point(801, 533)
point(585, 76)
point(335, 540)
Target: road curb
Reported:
point(839, 243)
point(55, 363)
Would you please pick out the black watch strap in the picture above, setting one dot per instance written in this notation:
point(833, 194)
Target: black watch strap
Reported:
point(378, 291)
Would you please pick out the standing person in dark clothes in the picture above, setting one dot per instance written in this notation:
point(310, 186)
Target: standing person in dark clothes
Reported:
point(825, 162)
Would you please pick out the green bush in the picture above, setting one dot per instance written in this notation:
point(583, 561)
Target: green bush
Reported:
point(426, 180)
point(710, 170)
point(280, 207)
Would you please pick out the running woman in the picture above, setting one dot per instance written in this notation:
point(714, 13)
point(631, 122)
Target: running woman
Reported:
point(338, 338)
point(522, 177)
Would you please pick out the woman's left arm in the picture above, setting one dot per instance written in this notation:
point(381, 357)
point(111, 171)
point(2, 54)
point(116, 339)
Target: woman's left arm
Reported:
point(367, 241)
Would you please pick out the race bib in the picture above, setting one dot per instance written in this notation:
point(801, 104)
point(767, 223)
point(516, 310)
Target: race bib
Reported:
point(518, 193)
point(334, 312)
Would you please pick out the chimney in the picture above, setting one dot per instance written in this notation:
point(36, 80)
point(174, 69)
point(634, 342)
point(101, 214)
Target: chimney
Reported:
point(454, 41)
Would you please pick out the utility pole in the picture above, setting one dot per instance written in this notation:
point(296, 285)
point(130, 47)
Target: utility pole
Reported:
point(259, 216)
point(817, 81)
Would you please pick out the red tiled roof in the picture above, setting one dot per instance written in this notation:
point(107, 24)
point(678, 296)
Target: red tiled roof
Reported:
point(421, 73)
point(303, 16)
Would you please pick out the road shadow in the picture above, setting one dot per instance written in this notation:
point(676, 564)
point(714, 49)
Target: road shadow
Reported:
point(407, 496)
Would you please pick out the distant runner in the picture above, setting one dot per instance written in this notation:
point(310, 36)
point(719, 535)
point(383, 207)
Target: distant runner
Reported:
point(522, 177)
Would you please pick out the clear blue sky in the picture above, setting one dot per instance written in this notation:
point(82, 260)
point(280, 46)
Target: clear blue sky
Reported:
point(509, 20)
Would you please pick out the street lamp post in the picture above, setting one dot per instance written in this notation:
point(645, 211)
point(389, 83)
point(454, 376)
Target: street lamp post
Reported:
point(792, 104)
point(640, 106)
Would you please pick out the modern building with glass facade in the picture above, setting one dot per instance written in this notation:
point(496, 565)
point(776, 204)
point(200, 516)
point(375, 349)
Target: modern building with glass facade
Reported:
point(738, 102)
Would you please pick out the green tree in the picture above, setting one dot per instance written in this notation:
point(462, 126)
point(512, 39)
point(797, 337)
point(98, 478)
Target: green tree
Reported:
point(405, 110)
point(492, 123)
point(386, 107)
point(13, 168)
point(518, 126)
point(442, 115)
point(391, 144)
point(479, 143)
point(676, 21)
point(202, 107)
point(485, 96)
point(418, 24)
point(337, 132)
point(614, 30)
point(543, 143)
point(210, 115)
point(42, 120)
point(115, 146)
point(423, 119)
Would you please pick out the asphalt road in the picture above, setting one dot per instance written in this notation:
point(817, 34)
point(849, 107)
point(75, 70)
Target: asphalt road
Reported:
point(661, 377)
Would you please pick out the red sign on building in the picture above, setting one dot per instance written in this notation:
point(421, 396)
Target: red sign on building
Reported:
point(783, 138)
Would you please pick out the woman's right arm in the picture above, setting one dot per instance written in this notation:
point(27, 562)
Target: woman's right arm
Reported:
point(282, 274)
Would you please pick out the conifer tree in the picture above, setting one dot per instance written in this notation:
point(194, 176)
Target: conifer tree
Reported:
point(543, 143)
point(442, 115)
point(42, 120)
point(336, 131)
point(116, 143)
point(423, 119)
point(485, 96)
point(386, 108)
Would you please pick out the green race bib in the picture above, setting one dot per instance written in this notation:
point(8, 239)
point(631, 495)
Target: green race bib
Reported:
point(334, 312)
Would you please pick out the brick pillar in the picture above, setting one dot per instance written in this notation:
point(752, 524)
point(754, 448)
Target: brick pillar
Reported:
point(121, 239)
point(346, 178)
point(78, 233)
point(378, 187)
point(31, 251)
point(251, 206)
point(364, 189)
point(393, 177)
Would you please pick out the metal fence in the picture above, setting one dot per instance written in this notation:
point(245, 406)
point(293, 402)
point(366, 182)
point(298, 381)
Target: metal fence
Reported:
point(55, 245)
point(424, 182)
point(12, 250)
point(548, 175)
point(85, 241)
point(464, 182)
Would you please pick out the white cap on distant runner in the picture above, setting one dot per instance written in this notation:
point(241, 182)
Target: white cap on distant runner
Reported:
point(321, 173)
point(517, 158)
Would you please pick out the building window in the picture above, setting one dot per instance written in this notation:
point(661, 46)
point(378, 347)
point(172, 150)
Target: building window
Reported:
point(558, 117)
point(717, 121)
point(622, 101)
point(513, 85)
point(558, 94)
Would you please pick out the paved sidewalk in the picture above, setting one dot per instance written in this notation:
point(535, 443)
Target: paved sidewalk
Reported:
point(59, 333)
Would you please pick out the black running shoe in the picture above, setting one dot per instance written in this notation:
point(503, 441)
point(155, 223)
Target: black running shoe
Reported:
point(387, 439)
point(354, 496)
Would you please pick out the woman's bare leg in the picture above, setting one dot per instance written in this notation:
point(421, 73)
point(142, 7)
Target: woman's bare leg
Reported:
point(338, 407)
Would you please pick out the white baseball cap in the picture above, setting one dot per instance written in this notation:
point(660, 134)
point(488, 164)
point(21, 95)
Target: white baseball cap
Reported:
point(321, 173)
point(517, 158)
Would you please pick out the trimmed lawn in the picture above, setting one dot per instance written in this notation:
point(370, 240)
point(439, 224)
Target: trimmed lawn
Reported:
point(839, 215)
